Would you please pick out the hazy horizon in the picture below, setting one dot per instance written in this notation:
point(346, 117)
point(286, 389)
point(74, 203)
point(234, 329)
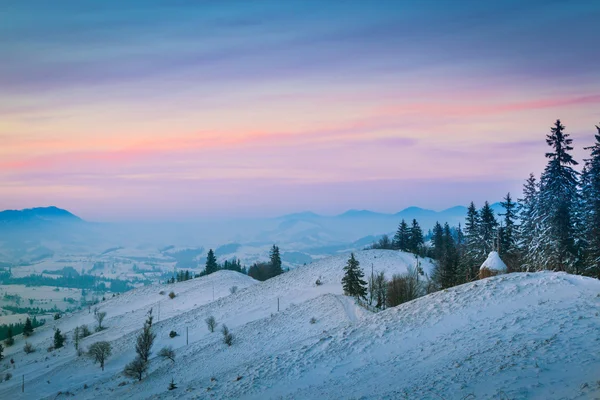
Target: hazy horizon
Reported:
point(149, 110)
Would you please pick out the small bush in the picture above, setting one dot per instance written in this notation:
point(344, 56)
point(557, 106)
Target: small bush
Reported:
point(313, 320)
point(172, 334)
point(233, 289)
point(57, 316)
point(136, 369)
point(172, 295)
point(211, 323)
point(51, 348)
point(167, 352)
point(7, 376)
point(85, 331)
point(227, 336)
point(318, 282)
point(172, 385)
point(28, 348)
point(162, 292)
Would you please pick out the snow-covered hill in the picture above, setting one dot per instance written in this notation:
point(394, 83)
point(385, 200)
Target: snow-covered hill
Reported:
point(511, 336)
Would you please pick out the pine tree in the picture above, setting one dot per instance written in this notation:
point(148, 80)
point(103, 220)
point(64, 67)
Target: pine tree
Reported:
point(352, 281)
point(275, 261)
point(488, 229)
point(508, 247)
point(10, 340)
point(557, 203)
point(415, 241)
point(211, 263)
point(28, 328)
point(473, 252)
point(529, 232)
point(59, 339)
point(438, 241)
point(401, 238)
point(145, 340)
point(1, 351)
point(590, 209)
point(449, 260)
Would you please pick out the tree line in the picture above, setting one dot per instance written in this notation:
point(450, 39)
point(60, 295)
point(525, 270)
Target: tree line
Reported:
point(555, 225)
point(260, 270)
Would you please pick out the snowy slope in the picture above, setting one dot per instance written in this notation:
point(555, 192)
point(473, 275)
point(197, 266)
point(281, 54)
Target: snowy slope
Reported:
point(511, 336)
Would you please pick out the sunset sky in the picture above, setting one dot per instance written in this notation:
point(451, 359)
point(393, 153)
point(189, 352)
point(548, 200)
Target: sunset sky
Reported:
point(176, 109)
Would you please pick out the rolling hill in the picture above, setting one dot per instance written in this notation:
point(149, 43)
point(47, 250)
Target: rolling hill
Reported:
point(511, 336)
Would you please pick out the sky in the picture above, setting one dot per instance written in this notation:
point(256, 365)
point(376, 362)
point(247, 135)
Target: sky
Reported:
point(134, 110)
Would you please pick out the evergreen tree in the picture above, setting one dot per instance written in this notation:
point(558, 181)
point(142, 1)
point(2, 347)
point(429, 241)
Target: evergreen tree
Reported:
point(275, 261)
point(557, 203)
point(10, 340)
point(508, 246)
point(438, 241)
point(352, 281)
point(488, 229)
point(529, 232)
point(590, 209)
point(28, 328)
point(145, 340)
point(473, 252)
point(401, 239)
point(59, 339)
point(415, 241)
point(1, 351)
point(449, 260)
point(211, 263)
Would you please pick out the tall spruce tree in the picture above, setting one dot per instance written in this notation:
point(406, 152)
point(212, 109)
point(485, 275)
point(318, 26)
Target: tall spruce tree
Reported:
point(507, 247)
point(590, 209)
point(488, 229)
point(352, 281)
point(415, 240)
point(444, 248)
point(211, 263)
point(557, 203)
point(437, 239)
point(275, 261)
point(529, 229)
point(473, 253)
point(28, 328)
point(401, 239)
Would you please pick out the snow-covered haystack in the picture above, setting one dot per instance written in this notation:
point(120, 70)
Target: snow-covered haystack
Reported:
point(492, 266)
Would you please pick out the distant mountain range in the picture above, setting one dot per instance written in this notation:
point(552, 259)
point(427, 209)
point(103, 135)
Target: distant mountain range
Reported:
point(412, 212)
point(38, 215)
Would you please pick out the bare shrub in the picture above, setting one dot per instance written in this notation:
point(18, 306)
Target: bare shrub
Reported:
point(211, 323)
point(100, 351)
point(233, 289)
point(404, 287)
point(167, 352)
point(136, 369)
point(99, 316)
point(227, 336)
point(313, 320)
point(28, 348)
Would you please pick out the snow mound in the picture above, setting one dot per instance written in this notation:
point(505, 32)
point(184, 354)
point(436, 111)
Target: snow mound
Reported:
point(494, 263)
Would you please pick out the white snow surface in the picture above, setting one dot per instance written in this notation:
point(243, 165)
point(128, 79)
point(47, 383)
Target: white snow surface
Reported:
point(511, 336)
point(494, 263)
